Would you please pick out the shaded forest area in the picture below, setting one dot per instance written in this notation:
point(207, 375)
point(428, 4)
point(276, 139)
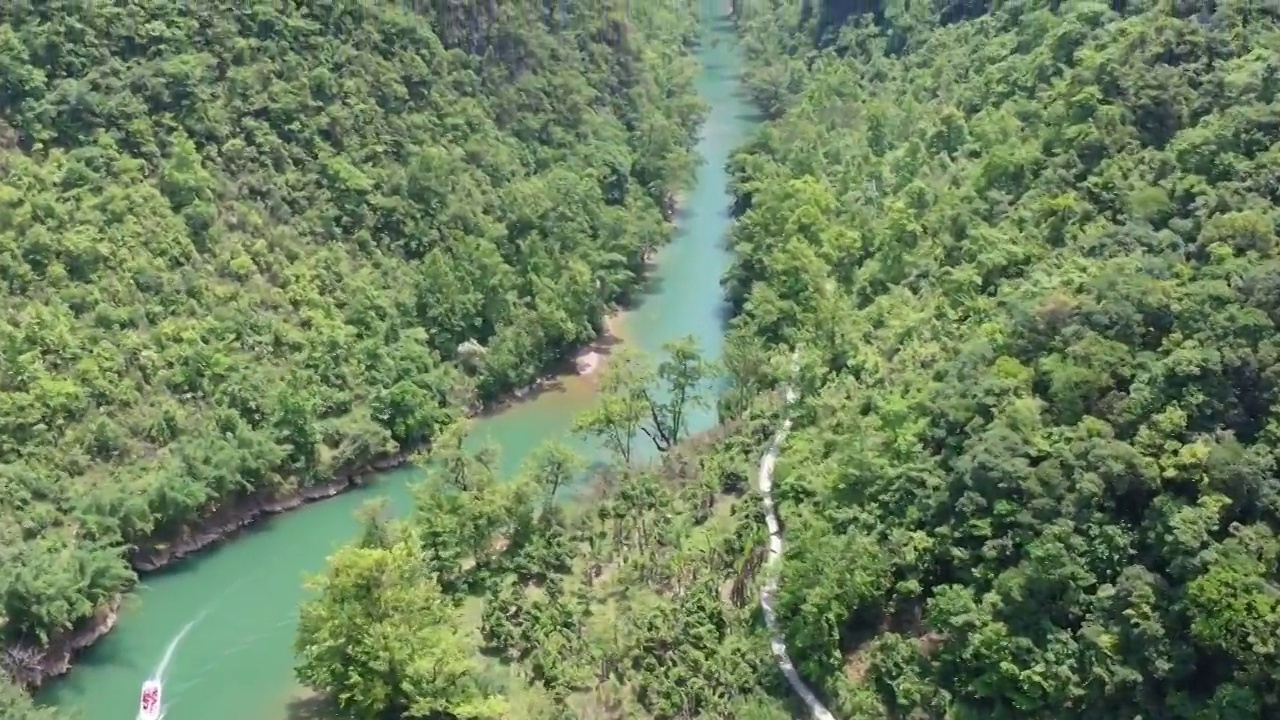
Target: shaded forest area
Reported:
point(246, 247)
point(1029, 258)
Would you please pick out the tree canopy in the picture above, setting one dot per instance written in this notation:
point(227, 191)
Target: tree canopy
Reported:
point(1027, 253)
point(631, 597)
point(244, 247)
point(1023, 253)
point(1024, 257)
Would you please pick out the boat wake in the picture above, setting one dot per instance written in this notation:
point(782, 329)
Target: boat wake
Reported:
point(151, 703)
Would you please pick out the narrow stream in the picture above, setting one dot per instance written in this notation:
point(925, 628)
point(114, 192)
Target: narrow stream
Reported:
point(237, 661)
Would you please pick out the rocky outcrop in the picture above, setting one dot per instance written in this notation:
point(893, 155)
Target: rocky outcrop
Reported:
point(226, 523)
point(670, 204)
point(30, 666)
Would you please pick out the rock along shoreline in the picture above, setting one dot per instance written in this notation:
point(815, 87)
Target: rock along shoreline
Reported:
point(32, 666)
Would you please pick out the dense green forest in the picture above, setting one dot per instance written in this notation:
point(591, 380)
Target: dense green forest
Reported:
point(246, 246)
point(1029, 259)
point(495, 599)
point(1026, 254)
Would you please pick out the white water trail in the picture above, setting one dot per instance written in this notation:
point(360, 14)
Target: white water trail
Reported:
point(159, 673)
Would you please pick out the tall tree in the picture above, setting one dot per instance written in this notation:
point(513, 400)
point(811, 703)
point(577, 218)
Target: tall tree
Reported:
point(384, 641)
point(621, 406)
point(552, 466)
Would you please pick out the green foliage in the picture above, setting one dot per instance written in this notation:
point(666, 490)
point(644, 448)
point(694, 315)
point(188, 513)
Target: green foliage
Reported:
point(383, 640)
point(635, 600)
point(17, 705)
point(244, 249)
point(1029, 257)
point(638, 399)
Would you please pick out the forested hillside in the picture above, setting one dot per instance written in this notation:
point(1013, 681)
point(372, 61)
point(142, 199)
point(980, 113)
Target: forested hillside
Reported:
point(246, 246)
point(1029, 257)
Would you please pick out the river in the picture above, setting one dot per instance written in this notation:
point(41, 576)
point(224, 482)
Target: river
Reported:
point(237, 660)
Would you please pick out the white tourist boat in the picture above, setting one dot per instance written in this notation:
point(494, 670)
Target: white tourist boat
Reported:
point(149, 707)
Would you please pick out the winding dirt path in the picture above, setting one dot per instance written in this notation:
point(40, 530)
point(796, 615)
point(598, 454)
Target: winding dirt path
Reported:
point(770, 590)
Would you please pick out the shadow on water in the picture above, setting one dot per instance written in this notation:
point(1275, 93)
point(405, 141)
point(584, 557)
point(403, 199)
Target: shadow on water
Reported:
point(195, 562)
point(683, 213)
point(190, 565)
point(651, 285)
point(726, 315)
point(552, 385)
point(115, 654)
point(108, 652)
point(597, 467)
point(632, 299)
point(752, 117)
point(313, 707)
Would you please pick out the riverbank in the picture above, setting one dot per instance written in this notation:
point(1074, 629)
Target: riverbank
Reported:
point(221, 526)
point(32, 667)
point(587, 361)
point(224, 524)
point(239, 661)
